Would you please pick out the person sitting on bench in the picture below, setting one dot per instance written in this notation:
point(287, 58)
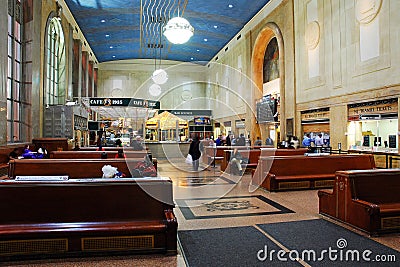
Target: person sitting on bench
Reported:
point(236, 162)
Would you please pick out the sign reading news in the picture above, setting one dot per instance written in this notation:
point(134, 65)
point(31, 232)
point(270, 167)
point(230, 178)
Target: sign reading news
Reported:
point(124, 102)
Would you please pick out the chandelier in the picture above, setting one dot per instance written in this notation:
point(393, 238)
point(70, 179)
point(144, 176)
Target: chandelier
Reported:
point(178, 30)
point(159, 75)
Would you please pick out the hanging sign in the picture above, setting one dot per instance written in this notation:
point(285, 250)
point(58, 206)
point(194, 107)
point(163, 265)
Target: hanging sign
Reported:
point(124, 102)
point(321, 114)
point(373, 109)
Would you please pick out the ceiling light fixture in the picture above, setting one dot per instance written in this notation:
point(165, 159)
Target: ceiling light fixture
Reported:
point(155, 90)
point(178, 30)
point(159, 76)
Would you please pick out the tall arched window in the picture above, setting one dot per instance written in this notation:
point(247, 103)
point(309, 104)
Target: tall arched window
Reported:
point(55, 89)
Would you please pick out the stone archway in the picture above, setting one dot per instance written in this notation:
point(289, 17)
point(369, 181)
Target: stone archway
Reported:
point(270, 31)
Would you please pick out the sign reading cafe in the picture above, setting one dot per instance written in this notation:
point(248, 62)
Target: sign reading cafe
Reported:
point(124, 102)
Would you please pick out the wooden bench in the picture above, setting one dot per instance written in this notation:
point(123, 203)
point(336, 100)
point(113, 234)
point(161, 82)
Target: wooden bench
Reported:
point(366, 199)
point(305, 172)
point(97, 155)
point(107, 148)
point(51, 143)
point(4, 158)
point(74, 168)
point(253, 155)
point(93, 154)
point(86, 217)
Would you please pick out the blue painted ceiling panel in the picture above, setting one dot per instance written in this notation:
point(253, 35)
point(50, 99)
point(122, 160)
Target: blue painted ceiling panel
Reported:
point(113, 27)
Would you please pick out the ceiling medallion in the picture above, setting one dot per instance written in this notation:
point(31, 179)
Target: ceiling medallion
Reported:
point(367, 10)
point(178, 30)
point(312, 35)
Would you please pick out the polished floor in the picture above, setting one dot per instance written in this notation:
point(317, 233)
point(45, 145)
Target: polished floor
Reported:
point(208, 199)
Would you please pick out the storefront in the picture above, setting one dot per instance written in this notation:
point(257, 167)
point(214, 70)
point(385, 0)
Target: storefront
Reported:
point(373, 125)
point(166, 127)
point(199, 122)
point(119, 118)
point(316, 122)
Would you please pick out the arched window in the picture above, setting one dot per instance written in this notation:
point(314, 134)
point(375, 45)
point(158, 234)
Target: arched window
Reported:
point(54, 89)
point(271, 61)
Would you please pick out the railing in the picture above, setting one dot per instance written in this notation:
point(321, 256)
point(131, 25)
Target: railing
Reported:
point(389, 157)
point(339, 151)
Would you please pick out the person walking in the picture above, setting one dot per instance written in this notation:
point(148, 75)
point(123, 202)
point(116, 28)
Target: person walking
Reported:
point(194, 151)
point(228, 140)
point(306, 141)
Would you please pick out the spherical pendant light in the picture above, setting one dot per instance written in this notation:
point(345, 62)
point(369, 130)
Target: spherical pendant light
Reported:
point(159, 76)
point(178, 30)
point(155, 90)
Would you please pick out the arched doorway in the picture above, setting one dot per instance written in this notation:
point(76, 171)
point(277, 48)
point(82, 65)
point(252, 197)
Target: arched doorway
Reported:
point(267, 36)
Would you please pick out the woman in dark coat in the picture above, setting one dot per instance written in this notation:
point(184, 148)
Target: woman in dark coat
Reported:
point(194, 151)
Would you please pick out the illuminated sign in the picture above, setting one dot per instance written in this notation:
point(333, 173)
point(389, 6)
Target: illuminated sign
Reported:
point(124, 102)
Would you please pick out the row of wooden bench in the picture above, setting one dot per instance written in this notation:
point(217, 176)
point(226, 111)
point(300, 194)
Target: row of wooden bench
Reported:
point(84, 217)
point(366, 199)
point(276, 173)
point(362, 196)
point(85, 214)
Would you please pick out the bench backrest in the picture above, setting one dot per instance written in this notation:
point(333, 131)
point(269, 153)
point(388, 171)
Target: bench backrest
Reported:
point(219, 150)
point(99, 200)
point(94, 154)
point(106, 148)
point(254, 154)
point(74, 168)
point(265, 152)
point(251, 155)
point(310, 165)
point(375, 186)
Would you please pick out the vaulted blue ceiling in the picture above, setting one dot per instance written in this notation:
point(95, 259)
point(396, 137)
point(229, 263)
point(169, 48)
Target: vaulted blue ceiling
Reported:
point(120, 29)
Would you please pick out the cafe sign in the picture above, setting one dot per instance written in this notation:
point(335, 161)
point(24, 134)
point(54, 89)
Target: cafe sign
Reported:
point(123, 102)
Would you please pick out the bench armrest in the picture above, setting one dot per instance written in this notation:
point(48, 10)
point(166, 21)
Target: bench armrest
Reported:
point(170, 216)
point(371, 208)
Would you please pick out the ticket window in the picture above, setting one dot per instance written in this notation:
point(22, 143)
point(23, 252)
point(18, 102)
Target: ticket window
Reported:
point(317, 128)
point(373, 133)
